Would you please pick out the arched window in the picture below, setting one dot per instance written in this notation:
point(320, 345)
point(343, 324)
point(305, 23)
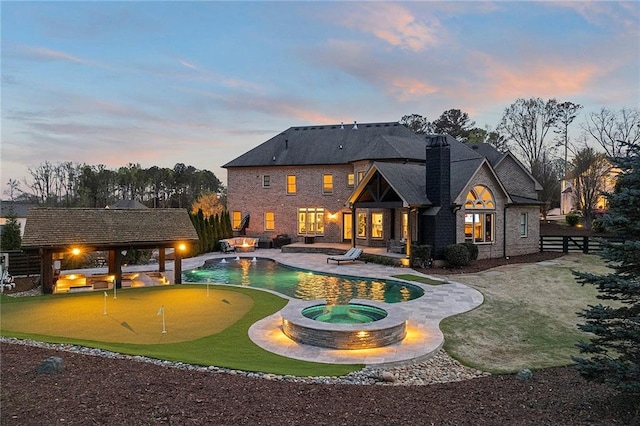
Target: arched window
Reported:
point(479, 215)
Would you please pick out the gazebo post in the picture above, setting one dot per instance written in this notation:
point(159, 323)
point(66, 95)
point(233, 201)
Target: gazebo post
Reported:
point(177, 266)
point(161, 260)
point(46, 272)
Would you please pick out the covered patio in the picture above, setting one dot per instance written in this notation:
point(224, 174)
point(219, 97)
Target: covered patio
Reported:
point(59, 232)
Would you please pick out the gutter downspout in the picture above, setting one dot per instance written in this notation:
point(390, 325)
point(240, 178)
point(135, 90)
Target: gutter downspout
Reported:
point(504, 231)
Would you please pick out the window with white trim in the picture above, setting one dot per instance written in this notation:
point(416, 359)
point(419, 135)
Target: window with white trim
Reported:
point(269, 221)
point(479, 218)
point(311, 221)
point(524, 221)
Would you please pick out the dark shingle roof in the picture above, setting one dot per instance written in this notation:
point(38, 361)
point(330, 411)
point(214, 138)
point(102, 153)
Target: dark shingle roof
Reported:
point(101, 228)
point(488, 151)
point(334, 144)
point(408, 180)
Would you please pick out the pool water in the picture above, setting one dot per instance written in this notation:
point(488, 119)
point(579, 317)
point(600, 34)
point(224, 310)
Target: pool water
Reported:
point(353, 313)
point(298, 283)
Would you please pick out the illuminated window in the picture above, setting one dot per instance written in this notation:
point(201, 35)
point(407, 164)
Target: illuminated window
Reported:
point(327, 184)
point(311, 221)
point(479, 226)
point(236, 219)
point(524, 219)
point(351, 179)
point(360, 176)
point(291, 184)
point(362, 225)
point(405, 225)
point(266, 181)
point(269, 221)
point(376, 225)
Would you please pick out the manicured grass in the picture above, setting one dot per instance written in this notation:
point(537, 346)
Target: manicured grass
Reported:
point(528, 318)
point(201, 330)
point(418, 279)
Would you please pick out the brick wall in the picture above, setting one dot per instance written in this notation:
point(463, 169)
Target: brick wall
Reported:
point(246, 194)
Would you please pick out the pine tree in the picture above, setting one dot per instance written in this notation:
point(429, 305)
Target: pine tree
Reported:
point(613, 352)
point(11, 239)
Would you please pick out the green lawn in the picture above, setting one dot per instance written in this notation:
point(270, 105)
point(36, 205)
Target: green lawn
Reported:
point(528, 318)
point(200, 330)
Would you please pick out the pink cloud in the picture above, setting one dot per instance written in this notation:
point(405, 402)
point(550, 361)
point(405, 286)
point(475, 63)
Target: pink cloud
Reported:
point(394, 24)
point(405, 89)
point(42, 53)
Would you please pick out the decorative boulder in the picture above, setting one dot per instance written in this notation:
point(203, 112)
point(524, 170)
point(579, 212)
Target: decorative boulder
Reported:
point(51, 365)
point(524, 374)
point(388, 376)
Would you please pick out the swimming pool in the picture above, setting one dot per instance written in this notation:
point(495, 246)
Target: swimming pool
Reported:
point(299, 283)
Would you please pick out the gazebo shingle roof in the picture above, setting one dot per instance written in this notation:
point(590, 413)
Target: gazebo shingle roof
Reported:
point(48, 227)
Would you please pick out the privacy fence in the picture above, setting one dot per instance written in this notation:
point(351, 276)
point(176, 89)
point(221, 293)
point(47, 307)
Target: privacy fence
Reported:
point(574, 244)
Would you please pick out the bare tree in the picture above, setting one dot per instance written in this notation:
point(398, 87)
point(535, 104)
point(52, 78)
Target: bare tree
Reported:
point(526, 123)
point(589, 170)
point(546, 172)
point(567, 112)
point(617, 132)
point(13, 190)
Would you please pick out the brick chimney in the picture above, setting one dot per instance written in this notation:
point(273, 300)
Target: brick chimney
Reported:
point(438, 225)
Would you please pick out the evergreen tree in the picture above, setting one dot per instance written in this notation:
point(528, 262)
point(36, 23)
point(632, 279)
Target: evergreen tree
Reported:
point(613, 352)
point(11, 239)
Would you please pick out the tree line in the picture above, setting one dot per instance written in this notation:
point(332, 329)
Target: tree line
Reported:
point(537, 133)
point(70, 184)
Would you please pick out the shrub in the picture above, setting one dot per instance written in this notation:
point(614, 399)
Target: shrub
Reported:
point(456, 255)
point(598, 225)
point(473, 250)
point(420, 256)
point(572, 219)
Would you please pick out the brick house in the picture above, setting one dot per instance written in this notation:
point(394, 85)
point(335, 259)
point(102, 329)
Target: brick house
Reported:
point(369, 184)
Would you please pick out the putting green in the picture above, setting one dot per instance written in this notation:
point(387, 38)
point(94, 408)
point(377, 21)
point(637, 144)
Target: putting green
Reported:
point(133, 317)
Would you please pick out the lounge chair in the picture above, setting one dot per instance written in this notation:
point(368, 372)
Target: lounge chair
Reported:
point(350, 256)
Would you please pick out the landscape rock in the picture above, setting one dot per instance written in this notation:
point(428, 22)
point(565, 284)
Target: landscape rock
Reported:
point(51, 365)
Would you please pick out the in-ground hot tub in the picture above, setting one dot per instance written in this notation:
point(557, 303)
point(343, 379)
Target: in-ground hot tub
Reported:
point(362, 324)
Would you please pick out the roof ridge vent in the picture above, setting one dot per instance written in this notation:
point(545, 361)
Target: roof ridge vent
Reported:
point(355, 125)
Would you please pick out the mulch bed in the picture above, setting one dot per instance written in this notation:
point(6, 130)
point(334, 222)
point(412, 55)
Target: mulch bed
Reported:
point(95, 390)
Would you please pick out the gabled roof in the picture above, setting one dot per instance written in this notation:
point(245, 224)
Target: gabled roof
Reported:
point(127, 204)
point(407, 180)
point(48, 227)
point(335, 144)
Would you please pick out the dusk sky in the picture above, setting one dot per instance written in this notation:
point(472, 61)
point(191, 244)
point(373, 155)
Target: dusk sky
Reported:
point(160, 83)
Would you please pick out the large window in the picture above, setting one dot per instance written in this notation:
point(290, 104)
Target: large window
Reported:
point(236, 219)
point(327, 184)
point(311, 221)
point(479, 215)
point(291, 184)
point(362, 225)
point(269, 221)
point(376, 225)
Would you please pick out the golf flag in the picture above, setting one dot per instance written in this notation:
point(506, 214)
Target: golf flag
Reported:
point(161, 310)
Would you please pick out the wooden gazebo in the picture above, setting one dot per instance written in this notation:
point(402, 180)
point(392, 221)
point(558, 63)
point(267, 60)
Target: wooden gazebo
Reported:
point(52, 231)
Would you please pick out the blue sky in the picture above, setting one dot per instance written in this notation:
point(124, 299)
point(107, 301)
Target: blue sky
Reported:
point(160, 83)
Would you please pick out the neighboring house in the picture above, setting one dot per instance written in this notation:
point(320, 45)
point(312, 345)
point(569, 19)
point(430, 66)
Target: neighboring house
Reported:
point(371, 183)
point(7, 208)
point(569, 194)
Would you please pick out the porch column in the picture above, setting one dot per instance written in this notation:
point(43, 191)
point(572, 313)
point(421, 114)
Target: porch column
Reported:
point(161, 260)
point(354, 230)
point(46, 271)
point(177, 266)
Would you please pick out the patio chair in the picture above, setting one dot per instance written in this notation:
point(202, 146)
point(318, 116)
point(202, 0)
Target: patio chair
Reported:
point(225, 247)
point(350, 256)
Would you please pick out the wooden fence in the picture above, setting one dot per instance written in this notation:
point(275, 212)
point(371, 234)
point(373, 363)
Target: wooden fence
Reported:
point(21, 263)
point(575, 244)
